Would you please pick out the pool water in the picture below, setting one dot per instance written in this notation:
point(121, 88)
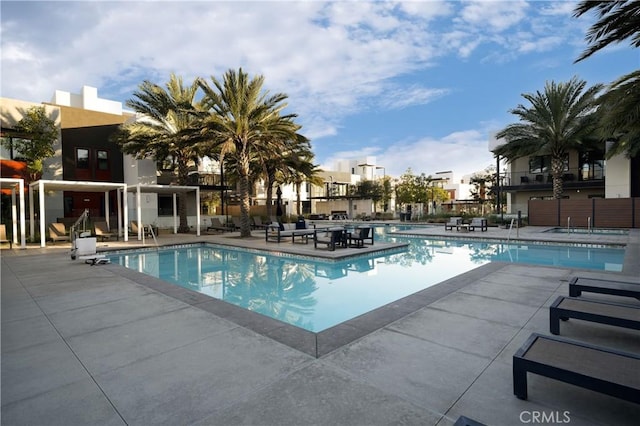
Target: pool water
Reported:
point(599, 231)
point(315, 295)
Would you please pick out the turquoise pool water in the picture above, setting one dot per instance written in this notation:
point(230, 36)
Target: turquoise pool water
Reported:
point(599, 231)
point(315, 295)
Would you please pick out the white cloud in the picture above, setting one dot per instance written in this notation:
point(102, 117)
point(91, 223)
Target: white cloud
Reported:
point(498, 15)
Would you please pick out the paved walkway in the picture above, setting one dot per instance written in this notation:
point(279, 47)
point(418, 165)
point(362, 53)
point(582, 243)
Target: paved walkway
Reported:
point(85, 345)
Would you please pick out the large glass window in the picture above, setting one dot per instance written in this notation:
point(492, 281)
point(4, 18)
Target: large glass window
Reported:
point(82, 158)
point(542, 164)
point(591, 165)
point(103, 160)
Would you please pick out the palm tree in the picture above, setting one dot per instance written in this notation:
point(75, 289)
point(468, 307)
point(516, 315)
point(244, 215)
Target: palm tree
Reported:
point(165, 130)
point(244, 120)
point(300, 168)
point(559, 119)
point(618, 20)
point(620, 115)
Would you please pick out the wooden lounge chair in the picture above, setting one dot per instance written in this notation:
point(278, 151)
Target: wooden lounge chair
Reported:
point(216, 225)
point(592, 310)
point(453, 222)
point(58, 232)
point(578, 285)
point(3, 236)
point(597, 368)
point(332, 237)
point(478, 222)
point(102, 231)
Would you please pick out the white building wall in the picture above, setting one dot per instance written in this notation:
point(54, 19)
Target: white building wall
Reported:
point(87, 99)
point(618, 177)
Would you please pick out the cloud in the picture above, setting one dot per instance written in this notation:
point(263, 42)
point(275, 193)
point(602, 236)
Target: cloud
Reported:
point(463, 152)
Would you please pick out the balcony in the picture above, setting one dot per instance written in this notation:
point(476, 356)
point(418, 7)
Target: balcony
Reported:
point(572, 179)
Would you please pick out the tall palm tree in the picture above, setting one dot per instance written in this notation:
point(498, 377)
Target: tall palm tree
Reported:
point(618, 20)
point(165, 130)
point(620, 115)
point(300, 168)
point(557, 120)
point(243, 120)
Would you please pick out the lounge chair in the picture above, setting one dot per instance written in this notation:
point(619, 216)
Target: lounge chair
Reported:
point(58, 232)
point(578, 285)
point(236, 223)
point(478, 222)
point(102, 231)
point(609, 313)
point(216, 225)
point(134, 229)
point(360, 235)
point(3, 236)
point(332, 237)
point(453, 222)
point(597, 368)
point(258, 224)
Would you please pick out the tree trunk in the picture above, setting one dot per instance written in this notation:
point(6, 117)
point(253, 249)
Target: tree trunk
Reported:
point(557, 167)
point(298, 200)
point(183, 172)
point(243, 169)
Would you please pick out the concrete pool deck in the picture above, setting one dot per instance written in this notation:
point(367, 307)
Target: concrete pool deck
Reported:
point(91, 345)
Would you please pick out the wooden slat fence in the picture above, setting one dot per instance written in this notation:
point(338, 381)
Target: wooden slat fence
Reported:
point(604, 212)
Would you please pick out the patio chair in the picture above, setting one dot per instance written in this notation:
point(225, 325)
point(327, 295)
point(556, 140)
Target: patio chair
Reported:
point(134, 229)
point(58, 232)
point(258, 224)
point(216, 225)
point(3, 236)
point(236, 223)
point(358, 238)
point(101, 230)
point(608, 313)
point(578, 285)
point(592, 367)
point(453, 222)
point(478, 222)
point(332, 237)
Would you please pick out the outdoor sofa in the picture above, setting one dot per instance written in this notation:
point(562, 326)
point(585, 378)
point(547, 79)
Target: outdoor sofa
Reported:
point(601, 312)
point(597, 368)
point(453, 222)
point(478, 222)
point(278, 231)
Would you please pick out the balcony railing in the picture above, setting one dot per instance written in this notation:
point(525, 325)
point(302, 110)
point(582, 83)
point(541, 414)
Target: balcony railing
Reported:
point(528, 178)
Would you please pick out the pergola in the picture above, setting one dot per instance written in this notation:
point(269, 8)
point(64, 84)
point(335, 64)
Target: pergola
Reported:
point(66, 185)
point(16, 185)
point(165, 189)
point(106, 187)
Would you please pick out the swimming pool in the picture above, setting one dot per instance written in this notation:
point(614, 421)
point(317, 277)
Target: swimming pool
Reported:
point(315, 294)
point(599, 231)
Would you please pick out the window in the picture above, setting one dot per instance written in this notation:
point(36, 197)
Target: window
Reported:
point(542, 164)
point(103, 160)
point(591, 165)
point(82, 158)
point(9, 147)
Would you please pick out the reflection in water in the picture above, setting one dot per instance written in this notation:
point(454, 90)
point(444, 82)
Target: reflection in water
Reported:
point(315, 295)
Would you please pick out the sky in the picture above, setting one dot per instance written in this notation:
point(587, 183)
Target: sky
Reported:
point(418, 85)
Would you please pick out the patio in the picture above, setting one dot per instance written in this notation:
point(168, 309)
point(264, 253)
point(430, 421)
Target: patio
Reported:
point(94, 345)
